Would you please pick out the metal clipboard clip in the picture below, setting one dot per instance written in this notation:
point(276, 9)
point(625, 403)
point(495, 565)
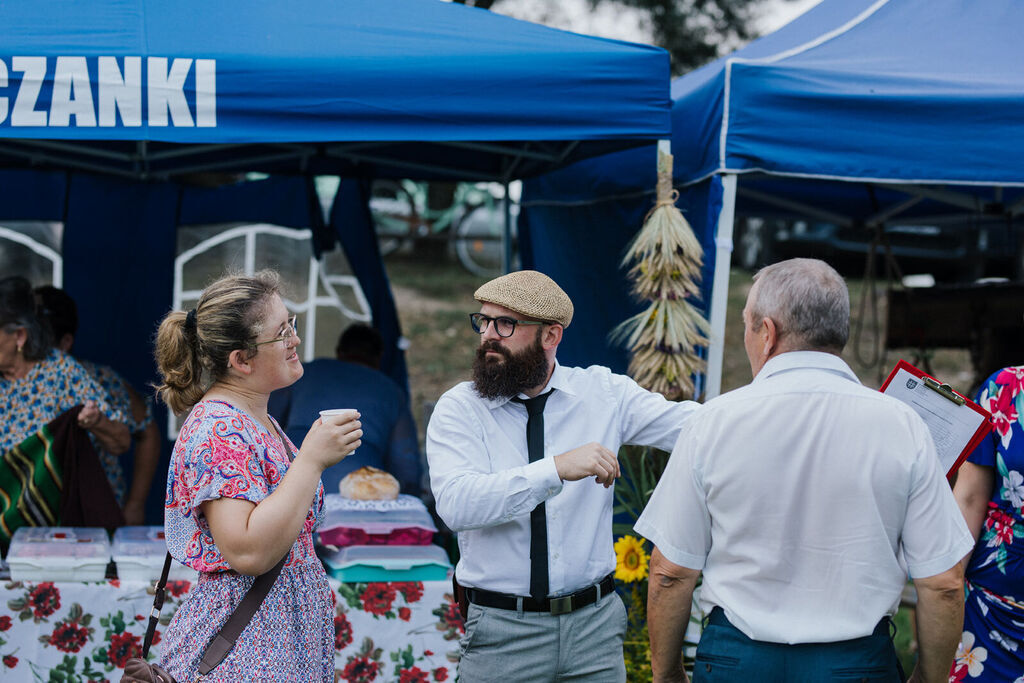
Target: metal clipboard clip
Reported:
point(944, 390)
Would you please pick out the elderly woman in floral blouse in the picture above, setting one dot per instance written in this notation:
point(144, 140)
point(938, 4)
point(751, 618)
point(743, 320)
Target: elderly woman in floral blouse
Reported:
point(38, 382)
point(990, 491)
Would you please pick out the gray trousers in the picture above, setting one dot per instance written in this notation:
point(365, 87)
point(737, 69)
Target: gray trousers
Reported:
point(536, 647)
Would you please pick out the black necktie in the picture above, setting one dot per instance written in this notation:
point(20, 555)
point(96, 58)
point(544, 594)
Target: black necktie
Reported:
point(538, 518)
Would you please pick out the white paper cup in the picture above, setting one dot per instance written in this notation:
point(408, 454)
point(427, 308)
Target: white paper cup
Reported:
point(336, 411)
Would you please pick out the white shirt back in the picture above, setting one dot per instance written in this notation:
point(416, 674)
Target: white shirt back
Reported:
point(799, 496)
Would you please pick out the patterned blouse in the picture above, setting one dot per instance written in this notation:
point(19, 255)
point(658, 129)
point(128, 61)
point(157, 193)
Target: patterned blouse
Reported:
point(222, 452)
point(117, 394)
point(53, 386)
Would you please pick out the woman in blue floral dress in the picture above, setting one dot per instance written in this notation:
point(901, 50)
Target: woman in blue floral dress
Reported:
point(38, 382)
point(236, 500)
point(990, 490)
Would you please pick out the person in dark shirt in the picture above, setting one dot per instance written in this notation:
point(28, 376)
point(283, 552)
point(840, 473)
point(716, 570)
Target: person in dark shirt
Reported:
point(353, 380)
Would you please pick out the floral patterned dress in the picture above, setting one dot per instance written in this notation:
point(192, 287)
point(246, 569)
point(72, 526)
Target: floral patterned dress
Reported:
point(222, 452)
point(53, 386)
point(992, 645)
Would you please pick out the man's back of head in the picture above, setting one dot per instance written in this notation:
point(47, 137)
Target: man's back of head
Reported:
point(808, 302)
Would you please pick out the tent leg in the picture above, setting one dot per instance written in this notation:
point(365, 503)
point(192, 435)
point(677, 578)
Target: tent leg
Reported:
point(720, 287)
point(506, 233)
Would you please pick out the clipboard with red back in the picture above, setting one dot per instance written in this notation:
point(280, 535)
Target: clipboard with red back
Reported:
point(957, 424)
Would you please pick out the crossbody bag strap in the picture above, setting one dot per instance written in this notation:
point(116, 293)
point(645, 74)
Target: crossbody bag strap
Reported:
point(158, 604)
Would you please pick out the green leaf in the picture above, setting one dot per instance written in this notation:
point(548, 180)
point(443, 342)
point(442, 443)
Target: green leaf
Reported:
point(17, 604)
point(86, 620)
point(1001, 466)
point(25, 616)
point(75, 613)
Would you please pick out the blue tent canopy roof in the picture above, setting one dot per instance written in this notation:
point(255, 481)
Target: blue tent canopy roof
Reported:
point(878, 90)
point(330, 86)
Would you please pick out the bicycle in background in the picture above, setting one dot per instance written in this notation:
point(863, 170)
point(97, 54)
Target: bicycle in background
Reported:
point(466, 217)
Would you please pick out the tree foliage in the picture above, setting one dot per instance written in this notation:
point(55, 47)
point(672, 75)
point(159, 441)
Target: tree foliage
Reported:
point(693, 31)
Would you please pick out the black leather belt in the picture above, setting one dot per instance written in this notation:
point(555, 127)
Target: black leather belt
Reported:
point(559, 605)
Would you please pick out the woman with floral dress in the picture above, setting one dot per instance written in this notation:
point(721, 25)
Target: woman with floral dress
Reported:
point(990, 491)
point(38, 382)
point(236, 500)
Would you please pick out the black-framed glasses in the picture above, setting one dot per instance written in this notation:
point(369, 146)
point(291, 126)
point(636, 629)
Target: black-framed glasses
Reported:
point(503, 325)
point(289, 332)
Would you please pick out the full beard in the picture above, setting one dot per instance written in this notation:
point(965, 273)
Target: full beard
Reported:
point(494, 379)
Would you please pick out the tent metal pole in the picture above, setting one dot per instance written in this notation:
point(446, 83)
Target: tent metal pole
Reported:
point(506, 232)
point(720, 288)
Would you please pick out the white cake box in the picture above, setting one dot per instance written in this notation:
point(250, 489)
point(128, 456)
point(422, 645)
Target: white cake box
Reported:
point(139, 553)
point(40, 553)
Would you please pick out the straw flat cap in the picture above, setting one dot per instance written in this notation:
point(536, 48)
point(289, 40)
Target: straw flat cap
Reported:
point(530, 294)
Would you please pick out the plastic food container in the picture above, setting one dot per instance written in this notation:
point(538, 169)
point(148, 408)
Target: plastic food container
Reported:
point(139, 553)
point(343, 528)
point(42, 553)
point(359, 563)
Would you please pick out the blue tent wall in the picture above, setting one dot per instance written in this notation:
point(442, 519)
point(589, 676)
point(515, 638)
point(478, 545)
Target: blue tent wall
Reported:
point(350, 217)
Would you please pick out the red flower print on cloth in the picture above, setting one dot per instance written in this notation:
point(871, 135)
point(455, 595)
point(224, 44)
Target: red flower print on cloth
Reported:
point(360, 670)
point(342, 632)
point(412, 590)
point(404, 613)
point(958, 673)
point(441, 674)
point(1001, 525)
point(378, 598)
point(123, 646)
point(5, 623)
point(178, 588)
point(1004, 414)
point(413, 675)
point(44, 600)
point(1012, 378)
point(10, 661)
point(69, 636)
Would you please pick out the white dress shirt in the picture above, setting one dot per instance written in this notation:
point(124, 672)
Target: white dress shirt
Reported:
point(800, 495)
point(485, 486)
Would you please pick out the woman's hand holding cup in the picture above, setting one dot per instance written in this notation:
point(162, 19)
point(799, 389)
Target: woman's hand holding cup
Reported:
point(333, 437)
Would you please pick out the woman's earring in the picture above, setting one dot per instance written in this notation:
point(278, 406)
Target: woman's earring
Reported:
point(19, 349)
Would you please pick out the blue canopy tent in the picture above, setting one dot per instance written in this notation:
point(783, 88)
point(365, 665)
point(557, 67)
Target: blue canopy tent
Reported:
point(857, 112)
point(110, 111)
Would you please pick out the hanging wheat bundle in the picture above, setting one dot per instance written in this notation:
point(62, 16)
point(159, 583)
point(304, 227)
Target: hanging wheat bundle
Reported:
point(666, 260)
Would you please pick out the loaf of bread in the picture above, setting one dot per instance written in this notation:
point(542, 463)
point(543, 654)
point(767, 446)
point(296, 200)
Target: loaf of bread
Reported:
point(369, 483)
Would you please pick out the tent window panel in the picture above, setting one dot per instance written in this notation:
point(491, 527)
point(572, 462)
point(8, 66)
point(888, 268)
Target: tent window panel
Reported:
point(290, 258)
point(32, 249)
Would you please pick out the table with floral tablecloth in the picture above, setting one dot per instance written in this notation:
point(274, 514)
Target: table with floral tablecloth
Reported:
point(83, 632)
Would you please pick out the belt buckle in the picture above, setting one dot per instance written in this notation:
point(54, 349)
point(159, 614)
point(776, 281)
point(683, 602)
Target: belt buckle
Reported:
point(562, 605)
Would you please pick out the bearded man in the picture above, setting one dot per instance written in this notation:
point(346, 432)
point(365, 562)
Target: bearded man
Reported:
point(522, 461)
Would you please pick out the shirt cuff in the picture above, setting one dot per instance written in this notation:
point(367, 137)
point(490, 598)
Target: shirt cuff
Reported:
point(672, 554)
point(922, 570)
point(543, 476)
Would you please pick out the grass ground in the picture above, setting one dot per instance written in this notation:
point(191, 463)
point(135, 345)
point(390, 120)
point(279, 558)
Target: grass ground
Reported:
point(434, 297)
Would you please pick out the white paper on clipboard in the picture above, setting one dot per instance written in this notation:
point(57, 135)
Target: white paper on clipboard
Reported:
point(952, 426)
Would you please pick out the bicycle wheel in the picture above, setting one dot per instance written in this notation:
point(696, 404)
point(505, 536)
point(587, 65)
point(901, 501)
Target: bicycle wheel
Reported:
point(394, 215)
point(478, 240)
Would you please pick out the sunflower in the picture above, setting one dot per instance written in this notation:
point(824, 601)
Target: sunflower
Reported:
point(630, 559)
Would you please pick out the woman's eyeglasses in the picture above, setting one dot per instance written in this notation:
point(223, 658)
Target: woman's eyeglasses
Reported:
point(288, 332)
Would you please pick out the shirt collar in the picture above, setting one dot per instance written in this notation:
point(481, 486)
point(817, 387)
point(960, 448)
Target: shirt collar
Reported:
point(817, 360)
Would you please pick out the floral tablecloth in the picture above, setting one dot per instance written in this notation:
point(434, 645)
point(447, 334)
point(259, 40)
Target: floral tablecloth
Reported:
point(84, 632)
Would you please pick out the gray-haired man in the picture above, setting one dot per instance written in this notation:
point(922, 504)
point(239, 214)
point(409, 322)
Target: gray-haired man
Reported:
point(804, 498)
point(521, 464)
